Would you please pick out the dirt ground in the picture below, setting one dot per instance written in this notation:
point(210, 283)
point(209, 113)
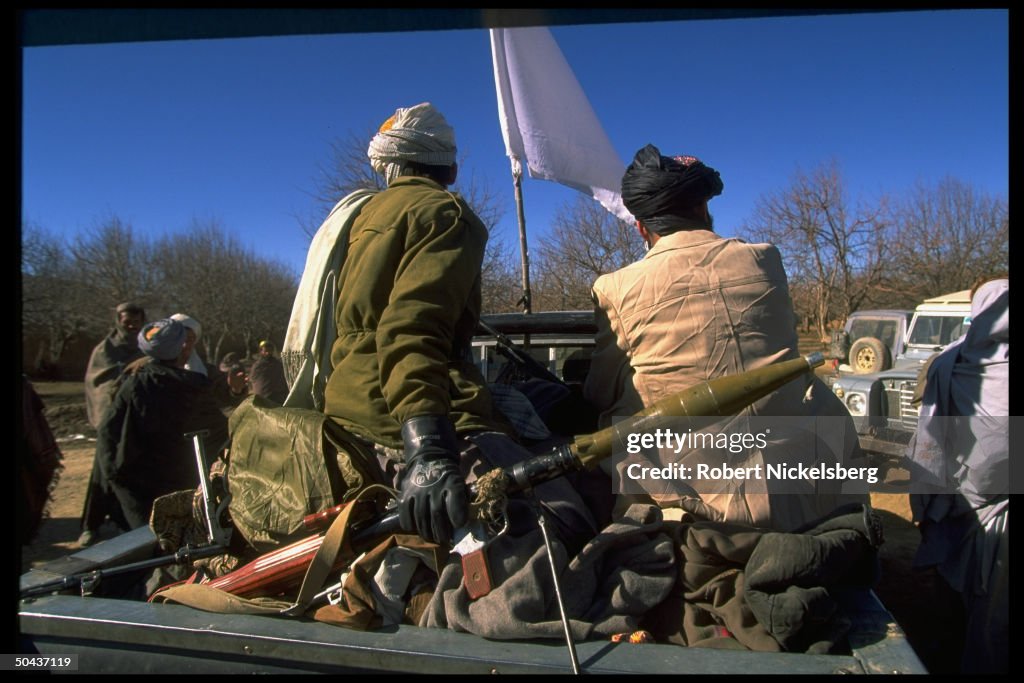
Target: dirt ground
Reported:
point(905, 592)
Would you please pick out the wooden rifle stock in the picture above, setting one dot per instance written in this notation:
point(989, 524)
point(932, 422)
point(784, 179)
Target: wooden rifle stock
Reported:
point(282, 570)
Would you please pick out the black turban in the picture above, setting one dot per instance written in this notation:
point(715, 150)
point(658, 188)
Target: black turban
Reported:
point(659, 190)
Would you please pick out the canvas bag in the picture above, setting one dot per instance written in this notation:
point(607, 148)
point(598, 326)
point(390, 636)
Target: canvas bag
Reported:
point(356, 611)
point(287, 463)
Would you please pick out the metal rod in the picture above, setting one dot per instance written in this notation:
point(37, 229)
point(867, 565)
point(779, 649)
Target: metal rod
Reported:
point(197, 442)
point(517, 179)
point(558, 589)
point(184, 554)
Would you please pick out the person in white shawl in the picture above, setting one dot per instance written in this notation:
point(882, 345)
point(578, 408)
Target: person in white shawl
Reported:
point(959, 459)
point(194, 363)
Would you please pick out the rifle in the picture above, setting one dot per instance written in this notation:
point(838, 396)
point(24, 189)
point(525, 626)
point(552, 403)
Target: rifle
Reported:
point(215, 533)
point(88, 581)
point(217, 540)
point(283, 569)
point(508, 348)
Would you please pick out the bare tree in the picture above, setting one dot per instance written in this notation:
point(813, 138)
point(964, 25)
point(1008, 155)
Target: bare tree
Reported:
point(585, 241)
point(264, 311)
point(233, 293)
point(948, 236)
point(52, 312)
point(112, 265)
point(499, 274)
point(346, 170)
point(70, 292)
point(199, 271)
point(834, 254)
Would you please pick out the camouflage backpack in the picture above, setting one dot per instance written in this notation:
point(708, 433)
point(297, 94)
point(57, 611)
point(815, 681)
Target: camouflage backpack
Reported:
point(287, 463)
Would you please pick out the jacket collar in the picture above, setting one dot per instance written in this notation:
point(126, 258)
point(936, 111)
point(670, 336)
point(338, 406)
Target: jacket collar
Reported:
point(414, 180)
point(683, 239)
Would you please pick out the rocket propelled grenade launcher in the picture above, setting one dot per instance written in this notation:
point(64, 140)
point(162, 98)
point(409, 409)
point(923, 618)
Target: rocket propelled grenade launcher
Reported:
point(721, 397)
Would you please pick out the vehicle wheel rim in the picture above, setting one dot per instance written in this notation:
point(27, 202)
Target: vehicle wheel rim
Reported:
point(866, 358)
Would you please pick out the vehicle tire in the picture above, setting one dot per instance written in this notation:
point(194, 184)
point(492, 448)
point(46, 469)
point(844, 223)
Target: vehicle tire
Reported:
point(868, 355)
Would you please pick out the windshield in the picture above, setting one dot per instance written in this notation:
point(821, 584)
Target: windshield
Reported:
point(938, 330)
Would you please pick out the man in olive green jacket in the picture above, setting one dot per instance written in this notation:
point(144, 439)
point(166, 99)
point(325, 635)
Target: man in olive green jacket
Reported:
point(408, 304)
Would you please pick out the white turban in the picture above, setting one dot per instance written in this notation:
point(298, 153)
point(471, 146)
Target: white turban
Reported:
point(420, 134)
point(194, 363)
point(189, 322)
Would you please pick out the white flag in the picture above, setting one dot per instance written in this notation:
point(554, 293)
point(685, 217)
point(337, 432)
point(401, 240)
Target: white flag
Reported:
point(547, 121)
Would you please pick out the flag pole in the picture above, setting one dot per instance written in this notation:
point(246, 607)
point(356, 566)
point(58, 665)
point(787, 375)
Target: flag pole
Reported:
point(517, 180)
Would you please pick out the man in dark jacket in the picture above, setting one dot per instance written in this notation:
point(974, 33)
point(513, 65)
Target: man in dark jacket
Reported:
point(266, 376)
point(141, 448)
point(229, 383)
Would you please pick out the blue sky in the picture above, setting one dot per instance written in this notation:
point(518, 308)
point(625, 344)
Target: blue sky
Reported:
point(160, 133)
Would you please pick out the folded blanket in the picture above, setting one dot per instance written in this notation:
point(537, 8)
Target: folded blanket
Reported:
point(621, 574)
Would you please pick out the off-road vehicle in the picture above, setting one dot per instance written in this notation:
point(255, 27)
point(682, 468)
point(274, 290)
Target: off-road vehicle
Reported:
point(880, 402)
point(869, 341)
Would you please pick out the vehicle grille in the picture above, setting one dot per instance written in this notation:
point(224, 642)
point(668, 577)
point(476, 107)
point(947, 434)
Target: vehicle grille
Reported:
point(909, 412)
point(898, 397)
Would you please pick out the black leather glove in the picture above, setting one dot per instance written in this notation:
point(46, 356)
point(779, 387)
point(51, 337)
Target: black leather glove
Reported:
point(434, 500)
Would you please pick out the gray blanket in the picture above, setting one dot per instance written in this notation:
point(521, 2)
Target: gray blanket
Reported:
point(621, 574)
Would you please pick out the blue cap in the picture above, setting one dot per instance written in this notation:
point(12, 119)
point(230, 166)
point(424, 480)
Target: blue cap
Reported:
point(163, 339)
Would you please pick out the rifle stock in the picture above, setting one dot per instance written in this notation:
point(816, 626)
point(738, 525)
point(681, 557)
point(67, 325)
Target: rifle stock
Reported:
point(281, 570)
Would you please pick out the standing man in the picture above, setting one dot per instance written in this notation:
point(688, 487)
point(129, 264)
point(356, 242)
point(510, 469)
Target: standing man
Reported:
point(697, 307)
point(267, 374)
point(959, 460)
point(108, 360)
point(407, 306)
point(230, 384)
point(140, 445)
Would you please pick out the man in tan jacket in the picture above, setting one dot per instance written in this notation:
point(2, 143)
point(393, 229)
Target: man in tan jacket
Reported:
point(696, 307)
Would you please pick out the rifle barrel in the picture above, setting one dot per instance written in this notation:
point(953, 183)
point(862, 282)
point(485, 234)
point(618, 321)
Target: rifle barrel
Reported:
point(185, 554)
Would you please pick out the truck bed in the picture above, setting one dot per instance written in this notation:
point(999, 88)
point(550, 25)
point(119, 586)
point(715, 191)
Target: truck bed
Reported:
point(127, 636)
